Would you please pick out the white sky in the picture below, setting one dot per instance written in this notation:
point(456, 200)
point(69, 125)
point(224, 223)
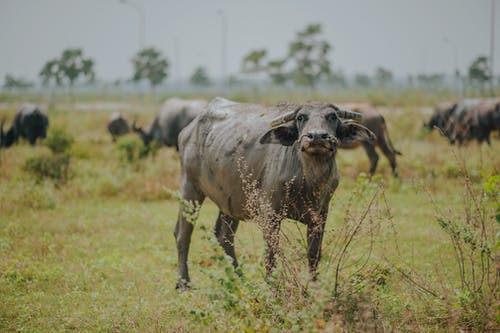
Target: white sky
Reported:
point(406, 36)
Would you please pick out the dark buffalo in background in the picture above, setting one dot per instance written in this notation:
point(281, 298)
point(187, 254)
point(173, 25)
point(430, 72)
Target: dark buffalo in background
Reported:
point(117, 125)
point(173, 116)
point(440, 116)
point(30, 122)
point(375, 122)
point(458, 113)
point(277, 159)
point(480, 122)
point(467, 119)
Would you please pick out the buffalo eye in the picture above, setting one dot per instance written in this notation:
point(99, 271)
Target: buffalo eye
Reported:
point(331, 117)
point(301, 118)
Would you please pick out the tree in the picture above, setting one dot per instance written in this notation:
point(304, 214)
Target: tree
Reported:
point(383, 76)
point(252, 61)
point(338, 79)
point(362, 80)
point(200, 78)
point(69, 67)
point(479, 72)
point(149, 64)
point(430, 81)
point(10, 82)
point(73, 64)
point(275, 69)
point(305, 63)
point(309, 56)
point(50, 72)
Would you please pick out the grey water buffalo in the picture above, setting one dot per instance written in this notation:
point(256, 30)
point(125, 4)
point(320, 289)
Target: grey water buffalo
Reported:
point(375, 122)
point(439, 118)
point(456, 120)
point(117, 125)
point(480, 122)
point(173, 116)
point(30, 122)
point(263, 162)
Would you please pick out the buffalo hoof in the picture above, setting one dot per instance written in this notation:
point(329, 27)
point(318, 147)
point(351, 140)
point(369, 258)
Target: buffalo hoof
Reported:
point(182, 285)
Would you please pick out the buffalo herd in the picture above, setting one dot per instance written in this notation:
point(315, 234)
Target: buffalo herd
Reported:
point(466, 120)
point(275, 162)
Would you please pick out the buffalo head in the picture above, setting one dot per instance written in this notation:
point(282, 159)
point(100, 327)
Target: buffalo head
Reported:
point(145, 136)
point(318, 129)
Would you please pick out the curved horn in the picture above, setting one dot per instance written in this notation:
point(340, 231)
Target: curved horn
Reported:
point(349, 114)
point(284, 118)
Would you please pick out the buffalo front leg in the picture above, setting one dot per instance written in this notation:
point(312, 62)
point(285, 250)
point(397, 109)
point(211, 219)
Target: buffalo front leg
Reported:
point(184, 229)
point(315, 231)
point(225, 228)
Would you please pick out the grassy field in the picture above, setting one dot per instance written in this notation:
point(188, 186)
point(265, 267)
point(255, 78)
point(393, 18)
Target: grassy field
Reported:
point(96, 252)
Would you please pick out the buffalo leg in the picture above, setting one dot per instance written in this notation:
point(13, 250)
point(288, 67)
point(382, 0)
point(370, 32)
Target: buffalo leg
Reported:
point(271, 237)
point(315, 231)
point(225, 228)
point(183, 231)
point(391, 156)
point(372, 155)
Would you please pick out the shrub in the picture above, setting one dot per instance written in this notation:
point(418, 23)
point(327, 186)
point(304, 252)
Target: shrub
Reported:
point(58, 141)
point(131, 149)
point(55, 167)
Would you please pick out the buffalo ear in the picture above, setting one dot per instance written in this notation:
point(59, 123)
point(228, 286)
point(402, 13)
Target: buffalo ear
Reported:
point(349, 132)
point(284, 135)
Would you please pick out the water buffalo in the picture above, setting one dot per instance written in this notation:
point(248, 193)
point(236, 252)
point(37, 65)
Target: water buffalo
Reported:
point(455, 120)
point(173, 116)
point(375, 122)
point(480, 122)
point(30, 122)
point(117, 125)
point(273, 162)
point(439, 118)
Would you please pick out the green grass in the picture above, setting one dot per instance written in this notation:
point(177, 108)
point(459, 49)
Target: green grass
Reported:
point(97, 253)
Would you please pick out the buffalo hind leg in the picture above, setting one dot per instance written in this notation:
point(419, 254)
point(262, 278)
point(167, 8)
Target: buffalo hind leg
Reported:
point(184, 229)
point(391, 156)
point(372, 155)
point(225, 228)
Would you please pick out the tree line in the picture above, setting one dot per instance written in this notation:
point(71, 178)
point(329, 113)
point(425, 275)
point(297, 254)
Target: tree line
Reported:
point(306, 64)
point(72, 66)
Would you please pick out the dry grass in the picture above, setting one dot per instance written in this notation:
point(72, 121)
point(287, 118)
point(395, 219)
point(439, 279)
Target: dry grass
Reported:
point(97, 254)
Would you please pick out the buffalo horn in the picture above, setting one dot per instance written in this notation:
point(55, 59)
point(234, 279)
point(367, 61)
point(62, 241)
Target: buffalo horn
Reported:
point(349, 114)
point(284, 118)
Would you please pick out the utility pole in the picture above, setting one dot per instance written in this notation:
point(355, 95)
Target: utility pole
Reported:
point(492, 47)
point(142, 20)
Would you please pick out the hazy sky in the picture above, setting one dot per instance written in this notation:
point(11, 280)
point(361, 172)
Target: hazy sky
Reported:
point(406, 36)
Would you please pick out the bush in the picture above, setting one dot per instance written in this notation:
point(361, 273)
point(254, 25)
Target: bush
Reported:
point(55, 167)
point(58, 141)
point(131, 149)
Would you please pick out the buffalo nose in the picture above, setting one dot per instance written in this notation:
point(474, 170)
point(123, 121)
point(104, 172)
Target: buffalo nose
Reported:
point(317, 136)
